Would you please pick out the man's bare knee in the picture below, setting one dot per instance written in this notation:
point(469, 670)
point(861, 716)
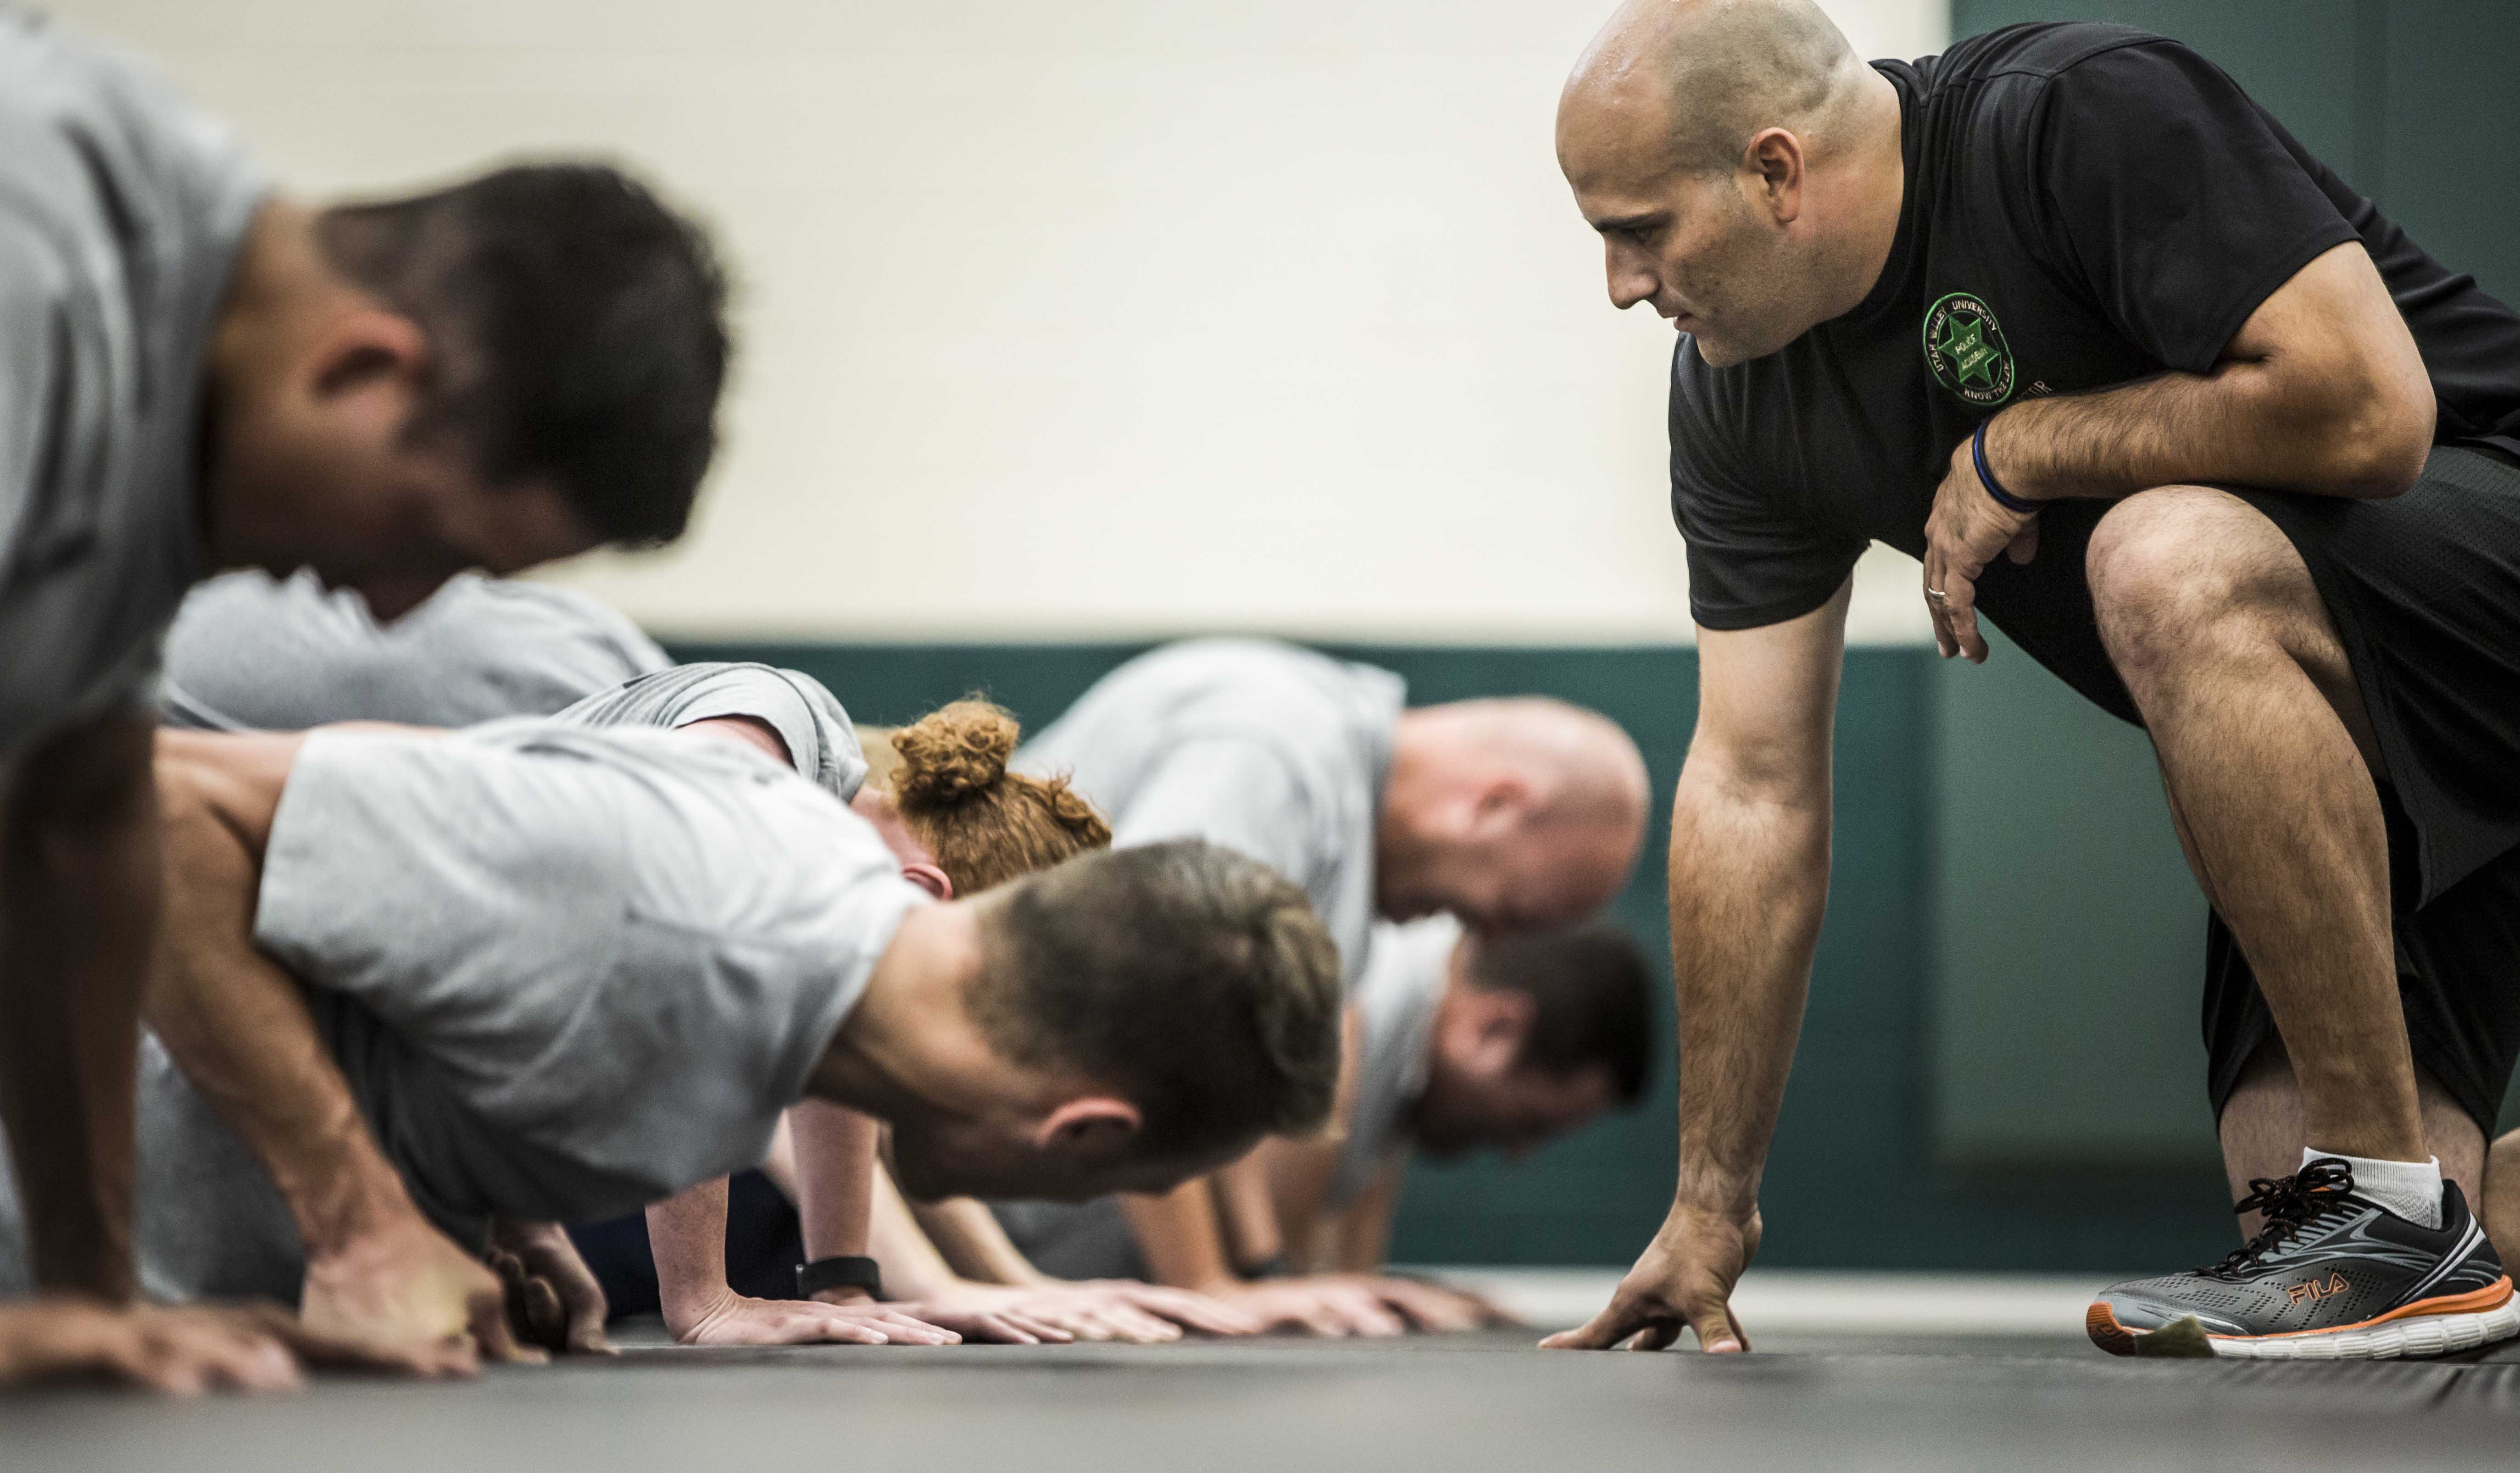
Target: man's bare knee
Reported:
point(2177, 574)
point(2185, 579)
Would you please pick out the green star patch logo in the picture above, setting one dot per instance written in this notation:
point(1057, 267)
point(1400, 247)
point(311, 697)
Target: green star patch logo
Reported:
point(1964, 346)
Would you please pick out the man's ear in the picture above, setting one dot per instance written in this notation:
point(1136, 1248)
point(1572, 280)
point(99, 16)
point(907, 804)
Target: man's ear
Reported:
point(1773, 174)
point(1499, 1025)
point(1095, 1120)
point(929, 878)
point(368, 345)
point(1504, 802)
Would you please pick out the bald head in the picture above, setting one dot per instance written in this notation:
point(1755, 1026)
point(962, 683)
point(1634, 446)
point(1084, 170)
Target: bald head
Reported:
point(1707, 75)
point(1581, 766)
point(1742, 164)
point(1511, 813)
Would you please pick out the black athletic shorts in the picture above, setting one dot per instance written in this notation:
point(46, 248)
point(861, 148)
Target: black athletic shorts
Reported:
point(2424, 590)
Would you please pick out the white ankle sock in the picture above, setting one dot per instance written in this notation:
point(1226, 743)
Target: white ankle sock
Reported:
point(2412, 1189)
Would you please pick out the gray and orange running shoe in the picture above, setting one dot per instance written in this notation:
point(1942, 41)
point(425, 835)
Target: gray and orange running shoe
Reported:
point(2333, 1277)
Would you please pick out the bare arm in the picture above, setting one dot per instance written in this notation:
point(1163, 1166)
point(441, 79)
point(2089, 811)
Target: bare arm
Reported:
point(1361, 1234)
point(378, 1274)
point(1033, 1307)
point(912, 1267)
point(78, 909)
point(1749, 878)
point(972, 1240)
point(835, 1149)
point(1181, 1239)
point(1300, 1172)
point(1244, 1213)
point(2323, 391)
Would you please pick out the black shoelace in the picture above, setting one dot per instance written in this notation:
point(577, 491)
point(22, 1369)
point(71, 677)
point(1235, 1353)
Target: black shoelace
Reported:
point(2288, 1203)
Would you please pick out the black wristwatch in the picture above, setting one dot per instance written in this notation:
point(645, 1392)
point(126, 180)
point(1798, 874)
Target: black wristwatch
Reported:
point(838, 1274)
point(1278, 1265)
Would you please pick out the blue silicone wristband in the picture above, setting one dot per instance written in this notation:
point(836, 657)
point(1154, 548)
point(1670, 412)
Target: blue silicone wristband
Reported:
point(1986, 477)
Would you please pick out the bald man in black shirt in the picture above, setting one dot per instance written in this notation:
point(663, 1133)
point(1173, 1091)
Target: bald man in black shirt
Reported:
point(2064, 313)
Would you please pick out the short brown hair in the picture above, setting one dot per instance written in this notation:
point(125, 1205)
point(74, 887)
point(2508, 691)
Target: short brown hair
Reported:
point(985, 824)
point(580, 326)
point(1592, 1002)
point(1195, 980)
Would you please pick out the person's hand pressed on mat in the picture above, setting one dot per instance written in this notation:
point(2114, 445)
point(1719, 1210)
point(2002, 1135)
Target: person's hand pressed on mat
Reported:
point(181, 1352)
point(553, 1298)
point(1338, 1306)
point(410, 1300)
point(995, 1277)
point(1436, 1308)
point(378, 1276)
point(1097, 1310)
point(1685, 1277)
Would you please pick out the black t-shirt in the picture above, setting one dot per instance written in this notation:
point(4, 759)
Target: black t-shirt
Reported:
point(2086, 205)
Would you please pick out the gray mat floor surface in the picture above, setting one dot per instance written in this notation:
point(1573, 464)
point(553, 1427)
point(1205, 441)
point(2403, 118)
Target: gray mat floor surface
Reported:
point(1468, 1403)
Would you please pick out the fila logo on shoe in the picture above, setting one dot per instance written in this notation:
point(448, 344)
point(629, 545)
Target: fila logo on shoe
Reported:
point(2314, 1290)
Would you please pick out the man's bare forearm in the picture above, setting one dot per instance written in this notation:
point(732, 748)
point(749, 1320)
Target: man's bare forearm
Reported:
point(913, 1268)
point(1300, 1175)
point(240, 1030)
point(972, 1240)
point(687, 1242)
point(78, 915)
point(1244, 1213)
point(836, 1159)
point(2323, 391)
point(1178, 1235)
point(1749, 879)
point(1363, 1229)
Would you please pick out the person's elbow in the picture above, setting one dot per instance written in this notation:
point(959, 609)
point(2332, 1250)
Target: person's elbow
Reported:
point(2381, 450)
point(2365, 417)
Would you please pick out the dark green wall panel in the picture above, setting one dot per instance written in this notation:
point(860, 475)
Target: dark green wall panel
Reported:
point(2068, 937)
point(2452, 134)
point(2297, 58)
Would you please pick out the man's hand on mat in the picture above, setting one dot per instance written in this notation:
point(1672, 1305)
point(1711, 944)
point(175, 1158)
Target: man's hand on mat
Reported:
point(553, 1298)
point(1685, 1277)
point(1330, 1305)
point(993, 1314)
point(1969, 527)
point(730, 1319)
point(404, 1297)
point(1186, 1308)
point(1436, 1308)
point(1094, 1310)
point(182, 1352)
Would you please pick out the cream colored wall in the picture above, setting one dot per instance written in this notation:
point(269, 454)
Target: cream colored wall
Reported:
point(1078, 318)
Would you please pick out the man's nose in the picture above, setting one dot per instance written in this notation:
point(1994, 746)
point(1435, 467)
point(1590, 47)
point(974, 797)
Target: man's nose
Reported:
point(1630, 281)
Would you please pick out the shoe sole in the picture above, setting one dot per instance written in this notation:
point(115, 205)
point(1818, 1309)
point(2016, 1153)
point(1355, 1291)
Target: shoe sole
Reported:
point(2433, 1328)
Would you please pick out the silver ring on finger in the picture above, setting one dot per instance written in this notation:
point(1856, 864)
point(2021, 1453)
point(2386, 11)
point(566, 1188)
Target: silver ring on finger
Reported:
point(1936, 593)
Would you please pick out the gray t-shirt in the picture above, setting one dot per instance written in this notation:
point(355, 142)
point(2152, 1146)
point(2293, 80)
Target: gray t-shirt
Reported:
point(567, 972)
point(1264, 748)
point(570, 972)
point(254, 652)
point(1406, 972)
point(121, 211)
point(820, 742)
